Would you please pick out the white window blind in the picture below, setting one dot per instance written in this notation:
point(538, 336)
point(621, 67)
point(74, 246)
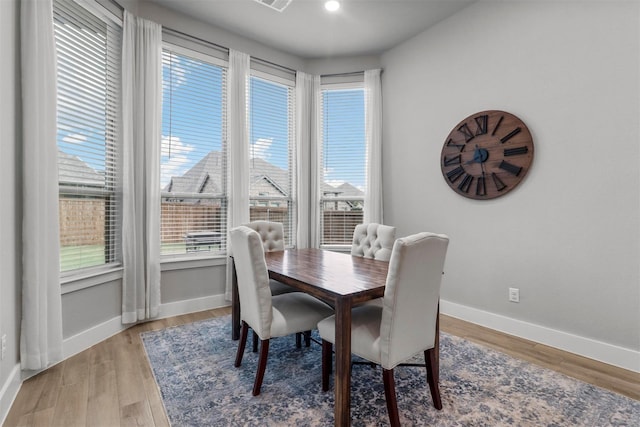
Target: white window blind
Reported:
point(343, 159)
point(193, 161)
point(271, 135)
point(88, 62)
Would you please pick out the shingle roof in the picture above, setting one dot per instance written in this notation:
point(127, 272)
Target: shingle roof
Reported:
point(205, 177)
point(72, 170)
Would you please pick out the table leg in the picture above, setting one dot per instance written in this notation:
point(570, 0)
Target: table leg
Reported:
point(436, 347)
point(343, 362)
point(235, 303)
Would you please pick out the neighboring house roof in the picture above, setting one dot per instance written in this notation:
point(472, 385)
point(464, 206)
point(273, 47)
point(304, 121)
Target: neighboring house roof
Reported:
point(260, 169)
point(349, 190)
point(72, 170)
point(205, 177)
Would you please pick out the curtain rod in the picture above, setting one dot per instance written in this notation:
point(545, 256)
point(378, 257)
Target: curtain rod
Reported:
point(118, 5)
point(194, 38)
point(351, 73)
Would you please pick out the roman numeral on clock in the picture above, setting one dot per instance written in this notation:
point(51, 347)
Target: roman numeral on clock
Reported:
point(497, 125)
point(516, 151)
point(460, 147)
point(510, 135)
point(498, 182)
point(456, 160)
point(454, 174)
point(512, 169)
point(466, 183)
point(481, 187)
point(468, 135)
point(482, 122)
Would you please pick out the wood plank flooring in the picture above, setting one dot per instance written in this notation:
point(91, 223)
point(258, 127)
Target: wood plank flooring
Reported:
point(111, 383)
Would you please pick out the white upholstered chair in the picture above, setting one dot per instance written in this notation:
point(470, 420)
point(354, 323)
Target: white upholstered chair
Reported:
point(405, 324)
point(373, 241)
point(272, 236)
point(269, 316)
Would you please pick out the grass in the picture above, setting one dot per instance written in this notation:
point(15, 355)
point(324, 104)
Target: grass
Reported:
point(84, 256)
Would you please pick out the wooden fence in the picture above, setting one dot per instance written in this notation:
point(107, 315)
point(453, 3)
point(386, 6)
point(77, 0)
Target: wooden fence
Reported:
point(82, 221)
point(338, 226)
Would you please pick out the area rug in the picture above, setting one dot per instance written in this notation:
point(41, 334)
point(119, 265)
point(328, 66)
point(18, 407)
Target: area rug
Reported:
point(193, 366)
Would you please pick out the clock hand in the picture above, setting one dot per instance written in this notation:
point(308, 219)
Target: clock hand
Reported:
point(477, 156)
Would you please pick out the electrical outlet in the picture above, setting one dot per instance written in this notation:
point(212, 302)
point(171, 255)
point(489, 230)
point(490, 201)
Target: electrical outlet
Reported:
point(514, 294)
point(4, 346)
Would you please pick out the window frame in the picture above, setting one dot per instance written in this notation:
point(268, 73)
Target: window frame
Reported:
point(329, 83)
point(208, 54)
point(261, 71)
point(110, 192)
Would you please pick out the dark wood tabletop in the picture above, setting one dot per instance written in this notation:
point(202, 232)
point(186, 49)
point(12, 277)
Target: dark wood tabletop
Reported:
point(327, 274)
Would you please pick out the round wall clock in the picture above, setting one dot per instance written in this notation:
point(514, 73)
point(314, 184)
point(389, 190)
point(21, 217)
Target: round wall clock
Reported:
point(487, 155)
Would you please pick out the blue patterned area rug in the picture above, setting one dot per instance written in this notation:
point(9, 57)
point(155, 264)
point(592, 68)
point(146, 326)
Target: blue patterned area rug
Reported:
point(193, 366)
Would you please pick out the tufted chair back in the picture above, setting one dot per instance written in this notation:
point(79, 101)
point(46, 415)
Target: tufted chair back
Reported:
point(373, 241)
point(271, 234)
point(253, 280)
point(411, 296)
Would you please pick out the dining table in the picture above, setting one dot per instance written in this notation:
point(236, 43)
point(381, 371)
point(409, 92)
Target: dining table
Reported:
point(339, 279)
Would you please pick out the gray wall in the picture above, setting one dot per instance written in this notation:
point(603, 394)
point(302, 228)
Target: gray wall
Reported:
point(568, 236)
point(10, 214)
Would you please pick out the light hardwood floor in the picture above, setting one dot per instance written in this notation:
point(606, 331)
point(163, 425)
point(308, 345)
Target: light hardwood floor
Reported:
point(111, 383)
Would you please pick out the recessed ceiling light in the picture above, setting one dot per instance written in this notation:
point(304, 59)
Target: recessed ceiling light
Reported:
point(332, 5)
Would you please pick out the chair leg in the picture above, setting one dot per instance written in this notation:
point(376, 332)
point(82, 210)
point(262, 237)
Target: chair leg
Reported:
point(255, 342)
point(390, 395)
point(244, 331)
point(262, 366)
point(433, 374)
point(298, 339)
point(327, 363)
point(307, 338)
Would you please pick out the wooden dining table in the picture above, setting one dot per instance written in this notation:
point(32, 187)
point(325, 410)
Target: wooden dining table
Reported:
point(339, 279)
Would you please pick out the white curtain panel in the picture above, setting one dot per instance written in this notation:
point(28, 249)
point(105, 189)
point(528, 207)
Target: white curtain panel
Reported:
point(373, 136)
point(41, 327)
point(237, 148)
point(141, 133)
point(307, 193)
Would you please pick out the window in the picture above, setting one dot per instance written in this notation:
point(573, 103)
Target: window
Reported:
point(343, 160)
point(88, 62)
point(271, 136)
point(193, 161)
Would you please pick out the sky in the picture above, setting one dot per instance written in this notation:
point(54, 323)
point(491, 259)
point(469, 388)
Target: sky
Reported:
point(192, 117)
point(195, 82)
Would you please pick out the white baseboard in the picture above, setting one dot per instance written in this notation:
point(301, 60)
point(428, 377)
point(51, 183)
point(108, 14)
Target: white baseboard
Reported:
point(193, 305)
point(9, 391)
point(94, 335)
point(607, 353)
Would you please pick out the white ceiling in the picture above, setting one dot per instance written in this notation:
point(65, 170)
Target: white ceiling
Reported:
point(307, 30)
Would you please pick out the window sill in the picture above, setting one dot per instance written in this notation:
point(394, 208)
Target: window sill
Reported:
point(337, 248)
point(184, 263)
point(88, 279)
